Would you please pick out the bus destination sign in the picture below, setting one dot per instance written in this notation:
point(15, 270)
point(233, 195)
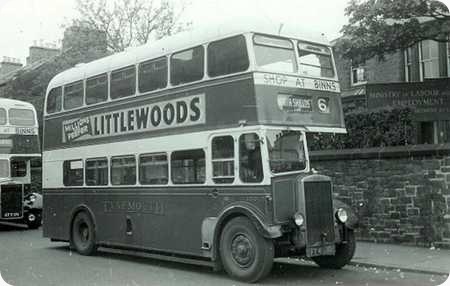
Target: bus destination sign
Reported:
point(185, 111)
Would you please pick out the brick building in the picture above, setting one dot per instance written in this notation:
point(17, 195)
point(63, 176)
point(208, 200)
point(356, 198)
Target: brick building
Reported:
point(416, 78)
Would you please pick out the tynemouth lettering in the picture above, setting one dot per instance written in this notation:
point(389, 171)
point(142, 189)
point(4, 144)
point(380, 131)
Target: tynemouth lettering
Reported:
point(132, 206)
point(294, 103)
point(168, 114)
point(295, 82)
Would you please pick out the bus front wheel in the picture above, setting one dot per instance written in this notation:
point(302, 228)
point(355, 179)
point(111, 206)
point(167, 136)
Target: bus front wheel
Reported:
point(245, 254)
point(83, 234)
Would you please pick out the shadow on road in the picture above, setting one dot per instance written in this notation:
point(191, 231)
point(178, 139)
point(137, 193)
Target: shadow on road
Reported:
point(285, 271)
point(12, 227)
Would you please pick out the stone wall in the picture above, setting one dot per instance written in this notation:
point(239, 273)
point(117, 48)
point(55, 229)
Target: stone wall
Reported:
point(400, 194)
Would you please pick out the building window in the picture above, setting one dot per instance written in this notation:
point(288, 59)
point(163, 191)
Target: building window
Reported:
point(223, 159)
point(97, 172)
point(73, 173)
point(408, 64)
point(429, 59)
point(188, 167)
point(153, 169)
point(359, 75)
point(2, 116)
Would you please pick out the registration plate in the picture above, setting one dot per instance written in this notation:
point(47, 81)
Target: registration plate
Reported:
point(320, 250)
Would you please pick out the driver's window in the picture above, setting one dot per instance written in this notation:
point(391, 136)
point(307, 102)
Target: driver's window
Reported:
point(250, 162)
point(18, 168)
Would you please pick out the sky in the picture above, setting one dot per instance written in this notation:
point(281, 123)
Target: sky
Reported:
point(27, 22)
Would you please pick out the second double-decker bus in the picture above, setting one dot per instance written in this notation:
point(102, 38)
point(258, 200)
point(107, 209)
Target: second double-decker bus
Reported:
point(194, 148)
point(19, 145)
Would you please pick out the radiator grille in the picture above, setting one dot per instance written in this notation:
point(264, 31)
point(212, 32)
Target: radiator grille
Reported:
point(319, 212)
point(11, 201)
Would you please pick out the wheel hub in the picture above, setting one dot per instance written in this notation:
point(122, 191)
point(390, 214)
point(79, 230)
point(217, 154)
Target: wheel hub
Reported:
point(242, 250)
point(84, 233)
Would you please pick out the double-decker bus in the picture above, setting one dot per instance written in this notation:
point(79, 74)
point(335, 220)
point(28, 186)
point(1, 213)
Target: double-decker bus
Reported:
point(194, 148)
point(19, 144)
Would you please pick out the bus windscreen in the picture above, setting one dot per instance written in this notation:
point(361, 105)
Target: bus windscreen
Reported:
point(286, 151)
point(21, 117)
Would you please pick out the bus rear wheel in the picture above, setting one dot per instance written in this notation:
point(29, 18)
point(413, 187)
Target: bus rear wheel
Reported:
point(83, 234)
point(344, 253)
point(245, 254)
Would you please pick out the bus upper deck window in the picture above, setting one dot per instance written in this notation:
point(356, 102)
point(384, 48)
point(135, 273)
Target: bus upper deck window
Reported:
point(250, 162)
point(274, 54)
point(2, 116)
point(123, 82)
point(227, 56)
point(97, 89)
point(23, 117)
point(315, 60)
point(153, 75)
point(73, 95)
point(54, 100)
point(187, 66)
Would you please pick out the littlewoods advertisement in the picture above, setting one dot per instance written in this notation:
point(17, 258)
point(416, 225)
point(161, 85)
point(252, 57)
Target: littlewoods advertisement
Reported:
point(427, 99)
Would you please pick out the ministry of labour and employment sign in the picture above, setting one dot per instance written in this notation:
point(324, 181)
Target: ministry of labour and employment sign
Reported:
point(428, 100)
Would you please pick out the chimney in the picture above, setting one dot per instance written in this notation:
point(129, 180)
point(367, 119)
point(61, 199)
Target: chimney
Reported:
point(8, 65)
point(40, 51)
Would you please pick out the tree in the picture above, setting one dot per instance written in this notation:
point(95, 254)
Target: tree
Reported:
point(129, 22)
point(379, 27)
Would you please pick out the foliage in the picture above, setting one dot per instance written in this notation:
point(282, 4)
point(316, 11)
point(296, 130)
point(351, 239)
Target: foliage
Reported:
point(129, 22)
point(382, 128)
point(379, 27)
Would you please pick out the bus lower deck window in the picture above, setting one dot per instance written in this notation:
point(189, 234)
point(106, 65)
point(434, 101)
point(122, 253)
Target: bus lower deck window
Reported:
point(2, 116)
point(97, 172)
point(123, 170)
point(73, 173)
point(153, 169)
point(188, 167)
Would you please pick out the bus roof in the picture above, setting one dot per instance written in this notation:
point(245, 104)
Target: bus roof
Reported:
point(175, 43)
point(13, 103)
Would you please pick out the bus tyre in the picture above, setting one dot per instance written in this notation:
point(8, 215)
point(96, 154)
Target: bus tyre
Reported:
point(344, 253)
point(244, 253)
point(83, 234)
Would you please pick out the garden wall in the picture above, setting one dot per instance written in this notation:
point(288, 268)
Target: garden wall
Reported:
point(400, 194)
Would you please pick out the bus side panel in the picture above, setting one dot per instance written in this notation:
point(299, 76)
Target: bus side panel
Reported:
point(168, 219)
point(56, 213)
point(227, 103)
